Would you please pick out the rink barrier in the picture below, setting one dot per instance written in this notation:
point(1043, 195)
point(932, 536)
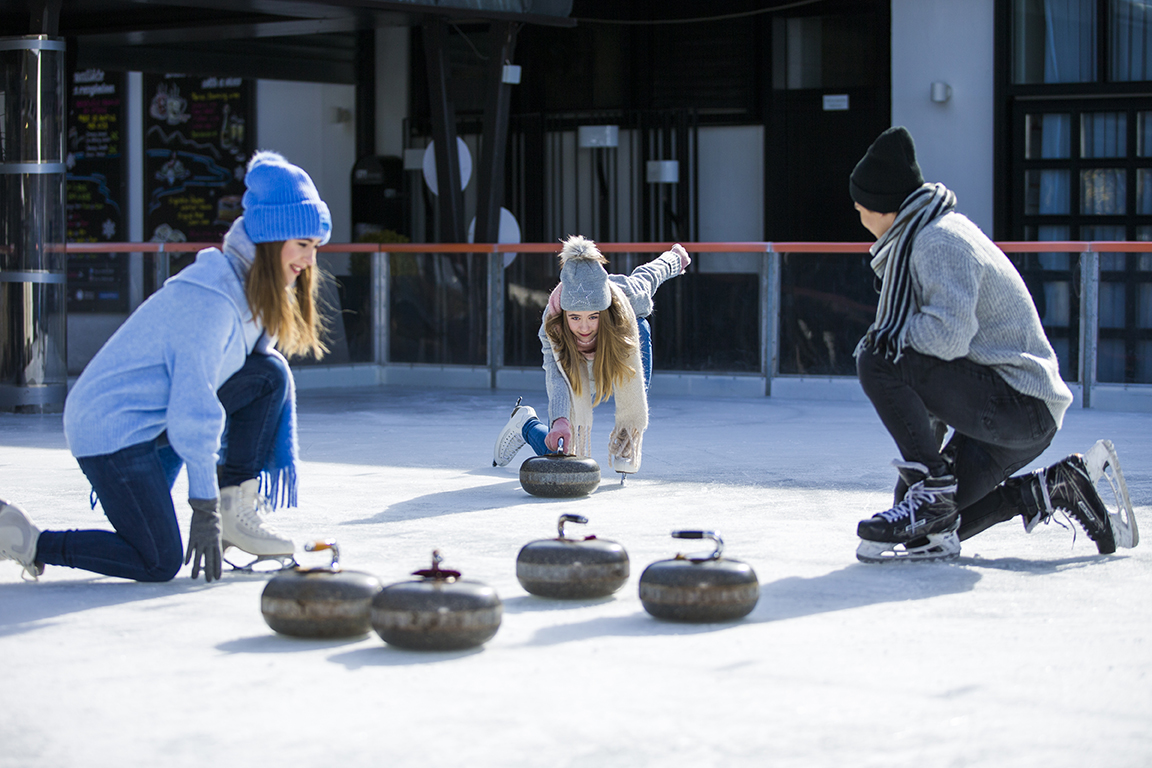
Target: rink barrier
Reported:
point(1087, 251)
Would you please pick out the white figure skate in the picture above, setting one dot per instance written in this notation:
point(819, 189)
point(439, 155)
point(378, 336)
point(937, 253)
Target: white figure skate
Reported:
point(244, 528)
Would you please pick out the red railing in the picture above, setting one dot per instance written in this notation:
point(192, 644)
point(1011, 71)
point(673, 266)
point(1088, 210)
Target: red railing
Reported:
point(1054, 246)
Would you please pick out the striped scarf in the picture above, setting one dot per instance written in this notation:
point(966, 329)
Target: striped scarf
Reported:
point(893, 254)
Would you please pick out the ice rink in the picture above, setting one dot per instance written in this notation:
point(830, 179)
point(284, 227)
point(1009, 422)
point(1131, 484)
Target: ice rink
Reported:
point(1029, 650)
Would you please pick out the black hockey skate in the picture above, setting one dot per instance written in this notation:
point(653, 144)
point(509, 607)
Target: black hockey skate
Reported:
point(920, 527)
point(1070, 485)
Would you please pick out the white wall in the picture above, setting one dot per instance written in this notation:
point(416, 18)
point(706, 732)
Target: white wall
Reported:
point(298, 120)
point(731, 200)
point(949, 41)
point(391, 89)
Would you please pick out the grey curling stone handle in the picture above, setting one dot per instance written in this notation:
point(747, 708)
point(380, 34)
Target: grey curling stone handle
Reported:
point(566, 518)
point(713, 535)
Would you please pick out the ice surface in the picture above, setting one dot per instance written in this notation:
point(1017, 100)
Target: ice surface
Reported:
point(1028, 651)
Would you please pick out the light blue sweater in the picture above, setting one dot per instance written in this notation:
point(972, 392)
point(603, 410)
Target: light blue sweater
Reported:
point(162, 368)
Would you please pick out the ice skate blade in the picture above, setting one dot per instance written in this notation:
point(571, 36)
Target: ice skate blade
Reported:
point(940, 547)
point(1103, 463)
point(283, 563)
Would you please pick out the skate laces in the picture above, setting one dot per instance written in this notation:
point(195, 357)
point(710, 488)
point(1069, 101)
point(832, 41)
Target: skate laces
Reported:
point(1048, 513)
point(252, 518)
point(916, 497)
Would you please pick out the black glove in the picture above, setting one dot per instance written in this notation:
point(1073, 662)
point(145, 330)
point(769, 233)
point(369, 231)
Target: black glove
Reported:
point(204, 539)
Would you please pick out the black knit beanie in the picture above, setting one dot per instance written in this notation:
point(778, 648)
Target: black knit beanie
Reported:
point(887, 173)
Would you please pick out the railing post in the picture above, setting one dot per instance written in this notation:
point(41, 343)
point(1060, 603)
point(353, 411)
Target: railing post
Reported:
point(162, 266)
point(1089, 320)
point(381, 287)
point(495, 314)
point(769, 315)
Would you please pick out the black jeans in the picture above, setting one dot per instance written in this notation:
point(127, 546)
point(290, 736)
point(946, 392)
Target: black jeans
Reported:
point(997, 430)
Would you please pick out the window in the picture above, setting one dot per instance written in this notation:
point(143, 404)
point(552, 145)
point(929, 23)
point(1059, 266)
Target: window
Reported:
point(1054, 41)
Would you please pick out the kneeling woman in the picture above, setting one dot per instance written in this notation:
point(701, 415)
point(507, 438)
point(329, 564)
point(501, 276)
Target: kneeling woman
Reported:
point(192, 377)
point(596, 344)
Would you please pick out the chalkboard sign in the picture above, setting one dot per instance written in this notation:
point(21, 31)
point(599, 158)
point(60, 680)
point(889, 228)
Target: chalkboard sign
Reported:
point(198, 135)
point(96, 194)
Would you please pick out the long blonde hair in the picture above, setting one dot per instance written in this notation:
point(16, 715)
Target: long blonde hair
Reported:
point(292, 316)
point(616, 340)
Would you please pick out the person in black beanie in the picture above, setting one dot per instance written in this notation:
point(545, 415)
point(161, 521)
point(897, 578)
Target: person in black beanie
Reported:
point(957, 344)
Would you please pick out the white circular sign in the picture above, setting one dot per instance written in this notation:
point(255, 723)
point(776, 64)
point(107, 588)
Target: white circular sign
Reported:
point(509, 232)
point(430, 165)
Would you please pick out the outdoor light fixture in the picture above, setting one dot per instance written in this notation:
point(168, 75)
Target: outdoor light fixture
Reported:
point(941, 92)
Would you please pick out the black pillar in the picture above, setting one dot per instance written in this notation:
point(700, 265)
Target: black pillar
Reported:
point(451, 225)
point(365, 93)
point(494, 146)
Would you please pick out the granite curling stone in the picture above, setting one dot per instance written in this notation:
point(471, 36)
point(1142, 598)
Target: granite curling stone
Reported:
point(437, 612)
point(572, 569)
point(322, 602)
point(559, 476)
point(699, 589)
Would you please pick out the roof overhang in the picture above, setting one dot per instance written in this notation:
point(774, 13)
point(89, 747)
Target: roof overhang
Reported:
point(277, 39)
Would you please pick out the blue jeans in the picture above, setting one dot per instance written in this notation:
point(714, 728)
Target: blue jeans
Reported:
point(535, 431)
point(997, 430)
point(134, 484)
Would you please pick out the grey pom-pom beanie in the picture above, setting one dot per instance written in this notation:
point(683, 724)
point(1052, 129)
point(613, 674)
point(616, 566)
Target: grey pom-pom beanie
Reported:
point(583, 279)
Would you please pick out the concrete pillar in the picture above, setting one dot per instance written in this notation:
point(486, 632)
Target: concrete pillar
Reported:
point(33, 264)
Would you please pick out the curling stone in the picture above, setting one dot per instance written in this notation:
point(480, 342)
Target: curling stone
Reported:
point(572, 568)
point(709, 588)
point(437, 612)
point(320, 602)
point(559, 476)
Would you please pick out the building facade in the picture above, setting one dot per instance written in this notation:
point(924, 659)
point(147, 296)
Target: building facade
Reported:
point(734, 124)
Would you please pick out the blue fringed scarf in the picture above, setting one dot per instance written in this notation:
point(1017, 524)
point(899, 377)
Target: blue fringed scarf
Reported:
point(278, 478)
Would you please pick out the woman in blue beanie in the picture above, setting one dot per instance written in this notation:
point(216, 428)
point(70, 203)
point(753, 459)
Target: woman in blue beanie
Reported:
point(193, 378)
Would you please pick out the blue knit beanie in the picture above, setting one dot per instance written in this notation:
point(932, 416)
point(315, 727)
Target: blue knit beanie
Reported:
point(281, 202)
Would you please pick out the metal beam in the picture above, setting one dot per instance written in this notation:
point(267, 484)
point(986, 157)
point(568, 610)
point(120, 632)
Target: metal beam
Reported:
point(451, 196)
point(494, 144)
point(239, 28)
point(196, 62)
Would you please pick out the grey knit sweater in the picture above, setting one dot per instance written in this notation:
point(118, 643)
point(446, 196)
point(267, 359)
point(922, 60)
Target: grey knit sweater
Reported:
point(971, 302)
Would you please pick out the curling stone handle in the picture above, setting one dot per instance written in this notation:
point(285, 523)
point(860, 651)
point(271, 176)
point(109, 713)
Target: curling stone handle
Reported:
point(325, 544)
point(713, 535)
point(566, 518)
point(436, 572)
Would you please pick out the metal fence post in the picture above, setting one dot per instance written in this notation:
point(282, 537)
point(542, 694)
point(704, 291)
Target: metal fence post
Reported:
point(381, 278)
point(1089, 320)
point(769, 315)
point(495, 314)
